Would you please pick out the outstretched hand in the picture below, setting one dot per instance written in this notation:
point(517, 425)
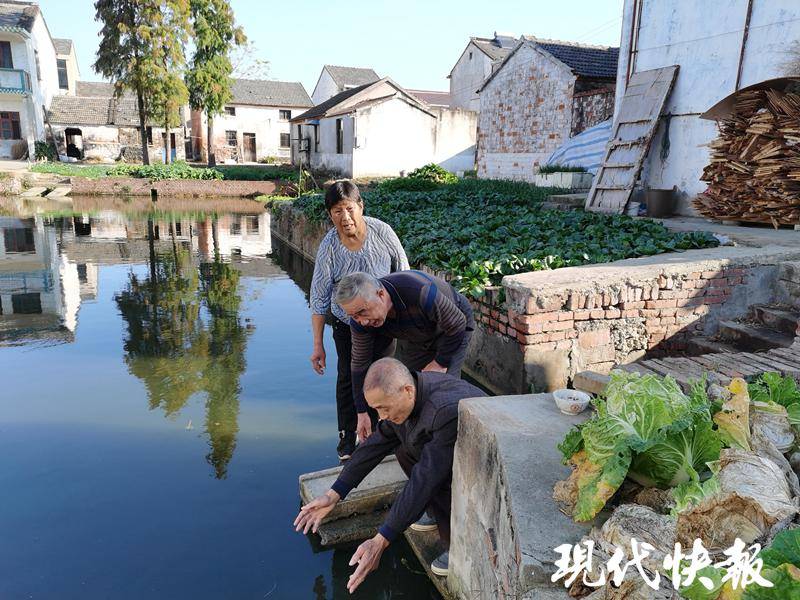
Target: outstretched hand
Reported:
point(312, 514)
point(367, 557)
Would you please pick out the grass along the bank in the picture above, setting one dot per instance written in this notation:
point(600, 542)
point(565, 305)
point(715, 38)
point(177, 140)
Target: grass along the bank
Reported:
point(482, 230)
point(176, 170)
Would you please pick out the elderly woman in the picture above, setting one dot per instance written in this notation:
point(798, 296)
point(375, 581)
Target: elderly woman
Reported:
point(355, 243)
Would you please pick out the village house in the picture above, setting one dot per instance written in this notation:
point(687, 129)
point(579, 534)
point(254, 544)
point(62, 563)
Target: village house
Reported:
point(67, 65)
point(254, 125)
point(720, 46)
point(96, 125)
point(381, 129)
point(474, 66)
point(543, 93)
point(28, 77)
point(333, 80)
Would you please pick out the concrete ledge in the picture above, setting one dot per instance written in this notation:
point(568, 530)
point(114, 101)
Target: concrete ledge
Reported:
point(129, 186)
point(505, 522)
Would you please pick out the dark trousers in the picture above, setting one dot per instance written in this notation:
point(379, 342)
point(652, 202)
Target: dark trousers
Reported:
point(345, 406)
point(416, 357)
point(439, 506)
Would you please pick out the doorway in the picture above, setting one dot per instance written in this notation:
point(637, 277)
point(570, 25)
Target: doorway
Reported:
point(249, 143)
point(173, 150)
point(74, 139)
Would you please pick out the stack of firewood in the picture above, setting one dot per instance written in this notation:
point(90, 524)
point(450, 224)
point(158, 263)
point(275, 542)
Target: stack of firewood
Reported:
point(754, 174)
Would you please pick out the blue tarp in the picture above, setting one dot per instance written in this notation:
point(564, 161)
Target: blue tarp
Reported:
point(584, 150)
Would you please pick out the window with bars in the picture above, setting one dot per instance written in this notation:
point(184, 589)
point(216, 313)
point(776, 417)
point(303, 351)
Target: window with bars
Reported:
point(285, 140)
point(63, 77)
point(230, 137)
point(9, 126)
point(284, 115)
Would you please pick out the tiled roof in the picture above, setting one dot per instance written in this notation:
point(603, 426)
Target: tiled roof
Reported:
point(261, 92)
point(496, 48)
point(94, 89)
point(72, 110)
point(83, 110)
point(584, 60)
point(432, 97)
point(18, 14)
point(351, 76)
point(323, 107)
point(63, 46)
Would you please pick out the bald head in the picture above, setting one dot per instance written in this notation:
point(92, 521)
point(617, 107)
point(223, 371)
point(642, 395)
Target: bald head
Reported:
point(389, 388)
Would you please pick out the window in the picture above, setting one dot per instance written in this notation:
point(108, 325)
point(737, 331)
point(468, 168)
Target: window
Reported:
point(9, 126)
point(230, 110)
point(19, 240)
point(470, 54)
point(230, 136)
point(150, 135)
point(339, 137)
point(236, 225)
point(252, 224)
point(5, 56)
point(83, 274)
point(26, 304)
point(284, 140)
point(284, 115)
point(63, 78)
point(316, 138)
point(38, 66)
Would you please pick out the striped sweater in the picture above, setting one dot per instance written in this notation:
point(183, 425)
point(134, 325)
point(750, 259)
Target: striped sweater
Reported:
point(428, 312)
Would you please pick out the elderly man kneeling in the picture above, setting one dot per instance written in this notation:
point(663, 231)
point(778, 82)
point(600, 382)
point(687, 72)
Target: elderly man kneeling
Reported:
point(419, 423)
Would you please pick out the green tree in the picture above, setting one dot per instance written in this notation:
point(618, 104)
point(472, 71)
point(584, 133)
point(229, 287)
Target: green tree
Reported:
point(142, 49)
point(209, 74)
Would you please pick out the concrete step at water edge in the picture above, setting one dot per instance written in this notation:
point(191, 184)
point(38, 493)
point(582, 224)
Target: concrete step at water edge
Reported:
point(377, 491)
point(701, 344)
point(752, 337)
point(777, 319)
point(60, 191)
point(34, 192)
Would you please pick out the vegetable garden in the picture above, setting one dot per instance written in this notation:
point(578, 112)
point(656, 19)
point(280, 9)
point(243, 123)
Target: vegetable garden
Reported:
point(482, 230)
point(709, 465)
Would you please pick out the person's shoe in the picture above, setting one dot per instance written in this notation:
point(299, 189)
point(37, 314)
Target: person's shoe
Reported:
point(440, 564)
point(425, 523)
point(347, 444)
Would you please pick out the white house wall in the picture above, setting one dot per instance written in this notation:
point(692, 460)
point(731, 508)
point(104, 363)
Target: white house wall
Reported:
point(467, 76)
point(326, 88)
point(264, 121)
point(704, 38)
point(326, 158)
point(456, 134)
point(393, 136)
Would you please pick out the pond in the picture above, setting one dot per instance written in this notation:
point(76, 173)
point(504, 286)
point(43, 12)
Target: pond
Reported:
point(157, 406)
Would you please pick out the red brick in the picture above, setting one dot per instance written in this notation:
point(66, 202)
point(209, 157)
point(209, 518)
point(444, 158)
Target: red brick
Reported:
point(718, 292)
point(596, 337)
point(597, 313)
point(661, 303)
point(719, 282)
point(713, 300)
point(566, 315)
point(711, 274)
point(630, 305)
point(613, 313)
point(531, 339)
point(557, 326)
point(582, 315)
point(502, 318)
point(541, 317)
point(626, 314)
point(695, 275)
point(668, 320)
point(556, 335)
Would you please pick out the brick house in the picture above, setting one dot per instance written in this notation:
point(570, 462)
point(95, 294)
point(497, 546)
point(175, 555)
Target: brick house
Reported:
point(254, 125)
point(543, 93)
point(94, 124)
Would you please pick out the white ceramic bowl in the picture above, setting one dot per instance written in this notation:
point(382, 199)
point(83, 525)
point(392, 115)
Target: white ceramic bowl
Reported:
point(571, 402)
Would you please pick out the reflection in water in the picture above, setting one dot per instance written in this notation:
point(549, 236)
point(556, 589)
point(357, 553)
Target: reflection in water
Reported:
point(177, 352)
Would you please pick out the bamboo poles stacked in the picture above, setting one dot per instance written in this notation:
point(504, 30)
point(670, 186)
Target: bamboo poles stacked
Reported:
point(754, 173)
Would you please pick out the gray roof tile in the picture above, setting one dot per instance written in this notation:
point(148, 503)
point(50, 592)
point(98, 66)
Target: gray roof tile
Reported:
point(18, 14)
point(260, 92)
point(72, 110)
point(584, 60)
point(63, 46)
point(323, 107)
point(351, 76)
point(497, 48)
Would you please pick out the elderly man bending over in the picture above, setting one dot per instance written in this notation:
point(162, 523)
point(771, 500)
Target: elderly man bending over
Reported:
point(419, 424)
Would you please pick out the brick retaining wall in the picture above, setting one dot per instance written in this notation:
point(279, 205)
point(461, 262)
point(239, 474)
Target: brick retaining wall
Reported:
point(554, 324)
point(128, 186)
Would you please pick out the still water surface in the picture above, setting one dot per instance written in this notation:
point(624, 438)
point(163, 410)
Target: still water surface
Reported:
point(157, 407)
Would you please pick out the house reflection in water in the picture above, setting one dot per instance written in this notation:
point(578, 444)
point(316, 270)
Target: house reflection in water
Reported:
point(40, 290)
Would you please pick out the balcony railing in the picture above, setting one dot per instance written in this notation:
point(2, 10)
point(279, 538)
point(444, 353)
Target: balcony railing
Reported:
point(15, 81)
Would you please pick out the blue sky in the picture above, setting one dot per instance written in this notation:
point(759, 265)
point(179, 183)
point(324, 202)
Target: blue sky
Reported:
point(414, 42)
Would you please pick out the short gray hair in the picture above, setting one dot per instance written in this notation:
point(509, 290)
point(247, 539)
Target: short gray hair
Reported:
point(388, 375)
point(356, 284)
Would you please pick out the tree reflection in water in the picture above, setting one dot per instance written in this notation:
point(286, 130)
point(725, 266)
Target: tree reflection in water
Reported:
point(177, 349)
